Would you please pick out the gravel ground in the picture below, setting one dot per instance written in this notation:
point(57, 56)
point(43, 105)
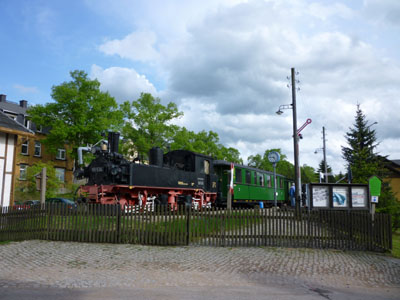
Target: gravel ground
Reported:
point(43, 265)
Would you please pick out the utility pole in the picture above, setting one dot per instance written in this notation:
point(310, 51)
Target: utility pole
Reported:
point(295, 143)
point(324, 150)
point(43, 186)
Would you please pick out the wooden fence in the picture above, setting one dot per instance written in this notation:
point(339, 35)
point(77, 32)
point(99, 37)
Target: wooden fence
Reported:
point(216, 227)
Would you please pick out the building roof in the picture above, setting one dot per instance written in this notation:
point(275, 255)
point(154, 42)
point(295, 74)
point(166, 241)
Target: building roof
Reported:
point(12, 107)
point(396, 161)
point(9, 125)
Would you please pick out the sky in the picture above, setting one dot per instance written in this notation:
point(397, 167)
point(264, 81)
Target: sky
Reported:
point(225, 63)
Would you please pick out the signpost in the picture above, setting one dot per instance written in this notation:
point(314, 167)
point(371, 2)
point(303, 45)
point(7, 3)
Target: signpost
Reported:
point(375, 190)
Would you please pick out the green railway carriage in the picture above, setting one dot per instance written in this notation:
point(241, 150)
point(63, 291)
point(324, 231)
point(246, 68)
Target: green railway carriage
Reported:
point(250, 185)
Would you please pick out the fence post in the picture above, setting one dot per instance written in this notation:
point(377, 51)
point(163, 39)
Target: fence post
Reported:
point(118, 208)
point(47, 209)
point(188, 209)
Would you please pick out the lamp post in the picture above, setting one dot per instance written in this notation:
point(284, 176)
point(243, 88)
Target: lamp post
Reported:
point(295, 138)
point(324, 152)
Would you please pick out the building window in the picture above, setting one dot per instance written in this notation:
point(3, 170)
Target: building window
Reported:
point(39, 128)
point(23, 172)
point(38, 148)
point(25, 148)
point(27, 123)
point(60, 174)
point(61, 154)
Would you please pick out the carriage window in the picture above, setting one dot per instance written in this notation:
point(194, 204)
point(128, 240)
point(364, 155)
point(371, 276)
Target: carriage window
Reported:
point(268, 180)
point(281, 183)
point(238, 173)
point(255, 178)
point(260, 179)
point(206, 167)
point(248, 177)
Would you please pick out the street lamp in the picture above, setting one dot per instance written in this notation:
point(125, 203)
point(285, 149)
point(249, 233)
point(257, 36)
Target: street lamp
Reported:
point(324, 151)
point(283, 106)
point(295, 138)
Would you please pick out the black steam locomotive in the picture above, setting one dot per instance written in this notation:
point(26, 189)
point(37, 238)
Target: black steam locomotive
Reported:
point(177, 177)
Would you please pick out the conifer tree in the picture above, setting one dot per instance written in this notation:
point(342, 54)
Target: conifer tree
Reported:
point(321, 169)
point(359, 154)
point(364, 163)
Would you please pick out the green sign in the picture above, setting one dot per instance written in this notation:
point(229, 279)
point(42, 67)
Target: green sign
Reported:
point(375, 186)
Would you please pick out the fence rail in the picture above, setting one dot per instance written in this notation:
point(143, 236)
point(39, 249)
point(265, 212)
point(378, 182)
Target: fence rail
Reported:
point(214, 227)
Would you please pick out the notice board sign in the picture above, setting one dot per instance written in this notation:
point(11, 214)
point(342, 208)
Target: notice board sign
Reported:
point(339, 196)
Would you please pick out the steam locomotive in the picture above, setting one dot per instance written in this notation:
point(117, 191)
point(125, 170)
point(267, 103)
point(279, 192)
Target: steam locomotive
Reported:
point(179, 177)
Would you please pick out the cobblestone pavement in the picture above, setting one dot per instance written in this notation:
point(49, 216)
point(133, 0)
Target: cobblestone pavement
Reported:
point(43, 264)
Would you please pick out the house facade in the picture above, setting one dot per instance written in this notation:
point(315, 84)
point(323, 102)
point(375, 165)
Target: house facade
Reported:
point(10, 132)
point(30, 150)
point(393, 166)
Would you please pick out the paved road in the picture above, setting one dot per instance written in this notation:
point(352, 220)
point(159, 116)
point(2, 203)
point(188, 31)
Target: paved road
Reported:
point(61, 270)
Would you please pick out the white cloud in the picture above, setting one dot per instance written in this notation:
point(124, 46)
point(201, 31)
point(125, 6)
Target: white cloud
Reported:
point(122, 83)
point(386, 12)
point(26, 89)
point(324, 12)
point(227, 66)
point(137, 46)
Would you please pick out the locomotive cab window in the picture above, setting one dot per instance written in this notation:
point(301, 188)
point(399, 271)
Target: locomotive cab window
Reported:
point(206, 167)
point(238, 173)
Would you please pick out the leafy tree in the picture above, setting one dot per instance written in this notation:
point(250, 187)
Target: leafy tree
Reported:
point(360, 154)
point(308, 174)
point(205, 143)
point(283, 167)
point(148, 124)
point(78, 115)
point(28, 190)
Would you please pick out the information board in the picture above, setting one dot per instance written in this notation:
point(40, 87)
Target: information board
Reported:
point(340, 196)
point(320, 196)
point(359, 197)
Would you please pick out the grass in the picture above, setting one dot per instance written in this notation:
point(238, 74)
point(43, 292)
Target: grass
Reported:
point(396, 244)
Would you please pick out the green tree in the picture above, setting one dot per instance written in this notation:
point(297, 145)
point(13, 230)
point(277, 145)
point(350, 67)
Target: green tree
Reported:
point(148, 124)
point(321, 169)
point(359, 154)
point(205, 143)
point(308, 174)
point(283, 167)
point(364, 162)
point(78, 115)
point(29, 191)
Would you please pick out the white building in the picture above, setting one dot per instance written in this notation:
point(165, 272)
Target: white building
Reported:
point(9, 132)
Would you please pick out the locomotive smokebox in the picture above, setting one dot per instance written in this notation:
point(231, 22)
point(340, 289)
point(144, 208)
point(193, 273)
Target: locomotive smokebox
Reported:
point(156, 157)
point(113, 141)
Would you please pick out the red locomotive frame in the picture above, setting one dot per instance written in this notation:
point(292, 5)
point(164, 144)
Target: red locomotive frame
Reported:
point(143, 196)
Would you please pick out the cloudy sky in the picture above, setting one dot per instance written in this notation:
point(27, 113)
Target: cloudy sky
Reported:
point(224, 62)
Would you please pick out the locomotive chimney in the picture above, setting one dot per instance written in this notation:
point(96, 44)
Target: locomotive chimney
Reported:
point(156, 157)
point(113, 141)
